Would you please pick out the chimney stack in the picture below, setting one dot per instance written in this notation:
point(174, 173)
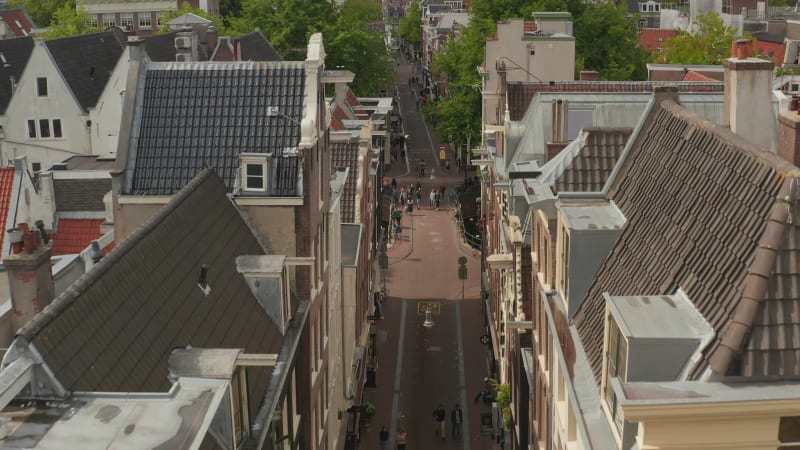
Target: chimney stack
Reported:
point(211, 38)
point(748, 95)
point(590, 75)
point(29, 276)
point(789, 132)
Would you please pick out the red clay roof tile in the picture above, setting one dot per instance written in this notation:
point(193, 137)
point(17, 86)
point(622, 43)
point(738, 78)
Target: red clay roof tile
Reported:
point(652, 39)
point(74, 235)
point(6, 188)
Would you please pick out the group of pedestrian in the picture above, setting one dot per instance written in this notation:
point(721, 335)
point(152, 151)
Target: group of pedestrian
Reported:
point(400, 438)
point(411, 195)
point(456, 421)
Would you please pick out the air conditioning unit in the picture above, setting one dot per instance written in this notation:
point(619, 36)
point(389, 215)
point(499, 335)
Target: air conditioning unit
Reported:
point(182, 57)
point(183, 43)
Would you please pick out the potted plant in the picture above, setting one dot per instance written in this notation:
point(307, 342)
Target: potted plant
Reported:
point(367, 413)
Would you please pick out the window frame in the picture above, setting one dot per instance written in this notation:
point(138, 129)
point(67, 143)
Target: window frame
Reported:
point(33, 132)
point(126, 16)
point(41, 82)
point(109, 23)
point(248, 160)
point(91, 21)
point(60, 133)
point(149, 23)
point(44, 129)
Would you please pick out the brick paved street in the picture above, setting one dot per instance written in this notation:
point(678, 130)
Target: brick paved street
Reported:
point(421, 367)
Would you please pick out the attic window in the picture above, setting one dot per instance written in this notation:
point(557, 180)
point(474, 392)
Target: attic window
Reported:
point(41, 86)
point(615, 367)
point(254, 172)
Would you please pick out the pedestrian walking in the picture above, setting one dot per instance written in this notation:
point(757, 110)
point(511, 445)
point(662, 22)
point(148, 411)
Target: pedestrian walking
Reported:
point(394, 183)
point(384, 437)
point(419, 199)
point(410, 206)
point(419, 186)
point(439, 415)
point(436, 201)
point(432, 198)
point(456, 419)
point(401, 438)
point(447, 165)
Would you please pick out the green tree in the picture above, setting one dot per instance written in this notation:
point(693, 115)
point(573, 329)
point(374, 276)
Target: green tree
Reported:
point(68, 21)
point(410, 26)
point(607, 41)
point(359, 12)
point(459, 114)
point(285, 23)
point(710, 43)
point(42, 11)
point(365, 54)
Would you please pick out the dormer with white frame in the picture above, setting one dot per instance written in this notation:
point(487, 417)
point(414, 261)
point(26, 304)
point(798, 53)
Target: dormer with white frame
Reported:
point(254, 173)
point(588, 227)
point(647, 338)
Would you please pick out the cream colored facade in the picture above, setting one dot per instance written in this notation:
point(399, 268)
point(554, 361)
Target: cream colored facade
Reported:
point(545, 55)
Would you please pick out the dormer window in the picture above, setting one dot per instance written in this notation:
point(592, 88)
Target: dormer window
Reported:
point(254, 172)
point(616, 364)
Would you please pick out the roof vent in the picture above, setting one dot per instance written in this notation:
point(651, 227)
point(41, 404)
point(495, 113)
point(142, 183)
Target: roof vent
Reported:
point(202, 282)
point(95, 252)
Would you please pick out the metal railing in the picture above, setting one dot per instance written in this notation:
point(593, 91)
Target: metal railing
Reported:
point(473, 240)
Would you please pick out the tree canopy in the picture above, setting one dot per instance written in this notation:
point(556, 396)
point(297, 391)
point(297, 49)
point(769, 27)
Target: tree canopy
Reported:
point(710, 43)
point(68, 21)
point(411, 26)
point(42, 12)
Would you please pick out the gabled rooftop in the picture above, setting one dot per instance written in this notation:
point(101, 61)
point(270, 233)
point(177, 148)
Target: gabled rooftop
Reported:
point(14, 55)
point(194, 115)
point(344, 155)
point(87, 61)
point(715, 216)
point(115, 328)
point(18, 21)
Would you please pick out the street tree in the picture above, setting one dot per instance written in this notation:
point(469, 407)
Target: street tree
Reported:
point(709, 43)
point(42, 11)
point(410, 26)
point(364, 53)
point(68, 21)
point(606, 40)
point(286, 25)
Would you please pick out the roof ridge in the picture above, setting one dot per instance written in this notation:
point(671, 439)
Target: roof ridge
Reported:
point(71, 294)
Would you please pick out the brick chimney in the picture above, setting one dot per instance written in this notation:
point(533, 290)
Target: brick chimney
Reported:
point(590, 75)
point(789, 132)
point(29, 276)
point(748, 95)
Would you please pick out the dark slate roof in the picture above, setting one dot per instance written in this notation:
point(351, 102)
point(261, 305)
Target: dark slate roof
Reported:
point(113, 329)
point(590, 169)
point(196, 115)
point(711, 214)
point(256, 47)
point(16, 53)
point(345, 155)
point(86, 62)
point(520, 94)
point(161, 47)
point(76, 195)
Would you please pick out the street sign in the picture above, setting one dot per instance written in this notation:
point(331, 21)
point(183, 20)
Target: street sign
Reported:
point(442, 155)
point(462, 260)
point(442, 146)
point(462, 272)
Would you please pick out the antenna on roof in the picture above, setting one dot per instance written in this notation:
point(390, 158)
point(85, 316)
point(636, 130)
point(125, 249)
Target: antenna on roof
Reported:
point(273, 111)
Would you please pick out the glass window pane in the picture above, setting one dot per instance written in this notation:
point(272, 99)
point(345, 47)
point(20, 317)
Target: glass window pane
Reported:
point(41, 86)
point(44, 128)
point(57, 128)
point(255, 170)
point(31, 128)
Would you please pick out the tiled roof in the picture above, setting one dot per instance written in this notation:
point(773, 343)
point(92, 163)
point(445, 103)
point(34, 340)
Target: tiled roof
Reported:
point(81, 194)
point(195, 115)
point(16, 53)
point(6, 189)
point(18, 21)
point(114, 329)
point(709, 213)
point(87, 61)
point(653, 39)
point(74, 235)
point(691, 75)
point(352, 100)
point(161, 47)
point(589, 170)
point(774, 51)
point(345, 155)
point(519, 95)
point(256, 47)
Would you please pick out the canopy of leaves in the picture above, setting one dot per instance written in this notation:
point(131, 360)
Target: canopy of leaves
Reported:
point(42, 12)
point(606, 40)
point(363, 53)
point(459, 114)
point(410, 26)
point(710, 43)
point(287, 24)
point(69, 21)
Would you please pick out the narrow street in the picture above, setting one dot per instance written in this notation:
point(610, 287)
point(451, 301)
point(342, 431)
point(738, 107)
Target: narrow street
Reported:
point(421, 367)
